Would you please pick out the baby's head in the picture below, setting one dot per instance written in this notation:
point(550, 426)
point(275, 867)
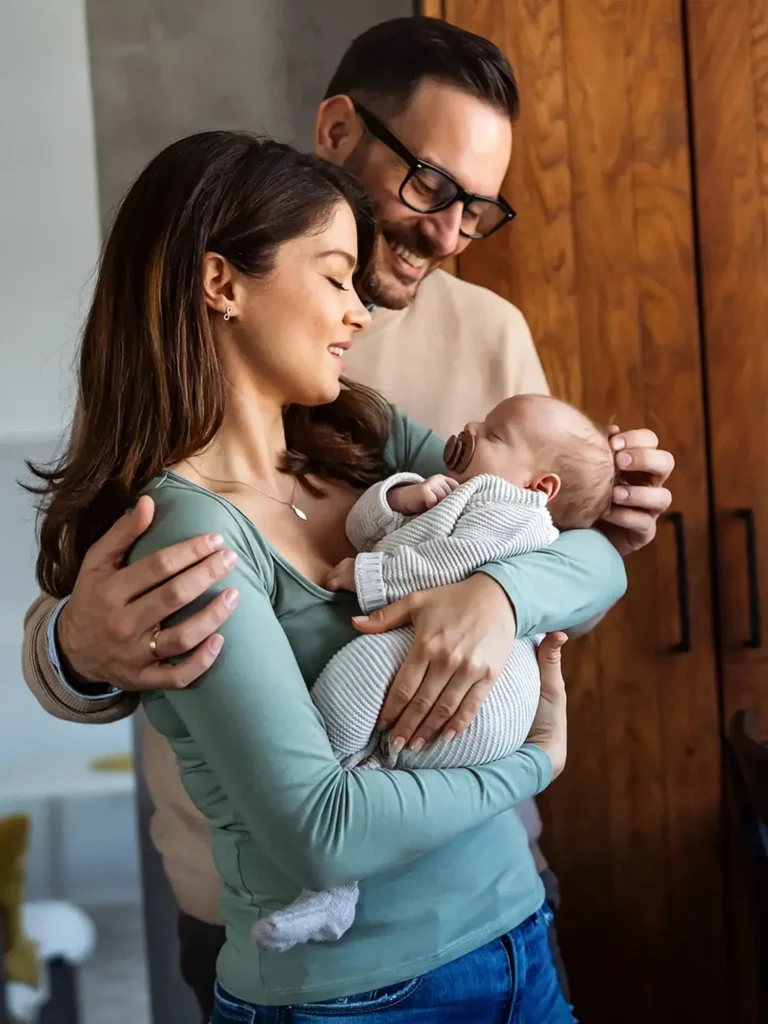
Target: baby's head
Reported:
point(543, 444)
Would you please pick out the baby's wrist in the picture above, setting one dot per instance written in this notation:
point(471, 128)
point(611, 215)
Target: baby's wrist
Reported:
point(396, 497)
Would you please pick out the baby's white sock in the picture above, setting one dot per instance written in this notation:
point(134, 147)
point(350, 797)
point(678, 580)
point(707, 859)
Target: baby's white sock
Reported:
point(313, 917)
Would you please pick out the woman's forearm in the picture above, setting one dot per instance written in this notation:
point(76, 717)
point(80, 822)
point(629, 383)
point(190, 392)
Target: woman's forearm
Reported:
point(576, 579)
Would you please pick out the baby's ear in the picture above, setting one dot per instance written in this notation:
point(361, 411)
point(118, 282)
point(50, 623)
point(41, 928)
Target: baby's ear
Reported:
point(548, 483)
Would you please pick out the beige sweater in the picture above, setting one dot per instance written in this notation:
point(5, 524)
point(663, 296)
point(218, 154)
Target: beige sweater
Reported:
point(448, 358)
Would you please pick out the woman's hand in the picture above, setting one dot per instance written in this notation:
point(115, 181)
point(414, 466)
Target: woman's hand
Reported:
point(464, 635)
point(549, 729)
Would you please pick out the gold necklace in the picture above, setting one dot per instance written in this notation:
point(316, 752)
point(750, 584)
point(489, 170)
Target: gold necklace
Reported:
point(281, 501)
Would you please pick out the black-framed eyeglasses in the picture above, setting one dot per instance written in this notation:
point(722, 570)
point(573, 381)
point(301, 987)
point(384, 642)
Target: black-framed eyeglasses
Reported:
point(428, 189)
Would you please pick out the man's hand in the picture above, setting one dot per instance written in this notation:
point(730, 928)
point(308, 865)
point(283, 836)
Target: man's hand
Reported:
point(550, 728)
point(640, 497)
point(342, 576)
point(104, 630)
point(413, 499)
point(464, 635)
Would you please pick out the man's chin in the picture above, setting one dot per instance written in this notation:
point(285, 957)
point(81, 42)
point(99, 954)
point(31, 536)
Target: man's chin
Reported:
point(386, 290)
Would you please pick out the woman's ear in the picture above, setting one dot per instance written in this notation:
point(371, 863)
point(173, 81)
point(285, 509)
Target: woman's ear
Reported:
point(218, 284)
point(337, 129)
point(548, 483)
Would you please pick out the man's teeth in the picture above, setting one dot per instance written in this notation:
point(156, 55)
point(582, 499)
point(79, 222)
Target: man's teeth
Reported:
point(335, 350)
point(411, 258)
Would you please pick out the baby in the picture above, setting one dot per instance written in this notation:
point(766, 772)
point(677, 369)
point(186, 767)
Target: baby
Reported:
point(535, 464)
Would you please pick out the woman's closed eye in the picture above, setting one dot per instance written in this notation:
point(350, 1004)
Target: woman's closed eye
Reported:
point(340, 285)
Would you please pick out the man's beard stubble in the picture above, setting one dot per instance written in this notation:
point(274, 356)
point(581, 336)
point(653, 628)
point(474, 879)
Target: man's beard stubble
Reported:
point(397, 295)
point(371, 288)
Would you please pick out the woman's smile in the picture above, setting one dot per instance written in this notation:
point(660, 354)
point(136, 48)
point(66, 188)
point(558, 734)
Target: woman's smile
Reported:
point(337, 352)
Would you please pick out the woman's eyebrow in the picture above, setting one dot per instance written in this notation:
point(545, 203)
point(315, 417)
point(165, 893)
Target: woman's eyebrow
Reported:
point(351, 260)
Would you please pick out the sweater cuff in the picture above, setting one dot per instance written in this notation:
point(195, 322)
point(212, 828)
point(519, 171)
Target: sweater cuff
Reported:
point(60, 699)
point(371, 517)
point(369, 581)
point(105, 690)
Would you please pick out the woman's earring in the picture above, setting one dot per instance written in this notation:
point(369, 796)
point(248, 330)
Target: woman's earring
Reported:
point(228, 314)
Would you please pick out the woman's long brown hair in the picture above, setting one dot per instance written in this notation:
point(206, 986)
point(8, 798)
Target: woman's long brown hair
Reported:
point(151, 390)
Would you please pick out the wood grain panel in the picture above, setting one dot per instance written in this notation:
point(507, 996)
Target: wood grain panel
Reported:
point(601, 139)
point(732, 229)
point(531, 262)
point(729, 96)
point(687, 689)
point(601, 262)
point(432, 8)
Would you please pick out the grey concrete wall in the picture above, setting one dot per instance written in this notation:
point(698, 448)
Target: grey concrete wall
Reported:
point(162, 69)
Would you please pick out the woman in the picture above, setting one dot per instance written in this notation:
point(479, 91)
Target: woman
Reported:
point(210, 376)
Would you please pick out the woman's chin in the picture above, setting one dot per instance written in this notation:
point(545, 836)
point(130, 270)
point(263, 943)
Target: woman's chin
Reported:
point(318, 395)
point(328, 394)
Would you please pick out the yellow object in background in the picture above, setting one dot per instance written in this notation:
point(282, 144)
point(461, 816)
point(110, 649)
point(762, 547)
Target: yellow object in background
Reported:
point(113, 763)
point(20, 951)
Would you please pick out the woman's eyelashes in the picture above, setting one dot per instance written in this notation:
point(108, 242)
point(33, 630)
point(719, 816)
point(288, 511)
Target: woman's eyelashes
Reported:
point(340, 285)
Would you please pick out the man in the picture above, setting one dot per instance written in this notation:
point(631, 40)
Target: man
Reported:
point(423, 113)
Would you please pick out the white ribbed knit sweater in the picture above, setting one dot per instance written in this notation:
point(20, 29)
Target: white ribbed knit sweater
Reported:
point(483, 520)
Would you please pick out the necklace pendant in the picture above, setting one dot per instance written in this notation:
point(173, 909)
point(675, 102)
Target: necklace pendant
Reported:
point(298, 512)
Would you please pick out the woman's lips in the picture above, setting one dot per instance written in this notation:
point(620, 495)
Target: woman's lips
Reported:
point(458, 451)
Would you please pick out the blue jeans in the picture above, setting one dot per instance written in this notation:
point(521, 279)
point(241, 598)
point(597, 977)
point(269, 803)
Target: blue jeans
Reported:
point(511, 980)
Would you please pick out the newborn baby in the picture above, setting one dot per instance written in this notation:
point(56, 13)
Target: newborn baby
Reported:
point(534, 464)
point(544, 445)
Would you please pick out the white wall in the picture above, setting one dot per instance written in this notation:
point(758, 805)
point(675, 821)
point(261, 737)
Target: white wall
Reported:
point(48, 207)
point(99, 859)
point(50, 239)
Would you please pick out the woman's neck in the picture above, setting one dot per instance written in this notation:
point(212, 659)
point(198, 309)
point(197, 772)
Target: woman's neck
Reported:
point(248, 447)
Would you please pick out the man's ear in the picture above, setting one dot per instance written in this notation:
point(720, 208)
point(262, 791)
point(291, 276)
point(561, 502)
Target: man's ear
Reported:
point(338, 129)
point(548, 483)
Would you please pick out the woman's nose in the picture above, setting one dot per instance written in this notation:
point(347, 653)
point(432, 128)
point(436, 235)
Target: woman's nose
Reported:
point(357, 317)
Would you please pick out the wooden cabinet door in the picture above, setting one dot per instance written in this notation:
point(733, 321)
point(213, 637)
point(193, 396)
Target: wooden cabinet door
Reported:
point(601, 261)
point(729, 93)
point(728, 48)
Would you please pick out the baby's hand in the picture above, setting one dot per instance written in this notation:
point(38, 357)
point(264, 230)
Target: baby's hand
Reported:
point(342, 576)
point(413, 499)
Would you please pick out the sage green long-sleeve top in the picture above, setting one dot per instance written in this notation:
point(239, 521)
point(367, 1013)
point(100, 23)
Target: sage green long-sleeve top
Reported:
point(442, 858)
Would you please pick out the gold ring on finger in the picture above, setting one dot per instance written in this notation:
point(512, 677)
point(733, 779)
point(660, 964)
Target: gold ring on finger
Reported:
point(153, 645)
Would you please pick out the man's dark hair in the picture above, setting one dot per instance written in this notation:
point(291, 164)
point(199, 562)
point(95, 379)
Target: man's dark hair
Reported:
point(388, 61)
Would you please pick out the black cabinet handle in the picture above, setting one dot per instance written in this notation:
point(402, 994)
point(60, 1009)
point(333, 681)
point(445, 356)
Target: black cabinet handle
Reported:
point(683, 604)
point(753, 579)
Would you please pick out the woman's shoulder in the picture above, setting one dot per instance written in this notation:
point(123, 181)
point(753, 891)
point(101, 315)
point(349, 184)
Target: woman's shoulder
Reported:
point(411, 445)
point(184, 510)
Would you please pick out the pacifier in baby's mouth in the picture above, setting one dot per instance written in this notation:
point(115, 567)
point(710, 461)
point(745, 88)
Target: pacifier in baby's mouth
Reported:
point(458, 451)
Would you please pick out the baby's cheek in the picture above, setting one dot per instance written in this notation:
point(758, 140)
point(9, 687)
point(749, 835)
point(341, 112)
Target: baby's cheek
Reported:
point(488, 460)
point(515, 470)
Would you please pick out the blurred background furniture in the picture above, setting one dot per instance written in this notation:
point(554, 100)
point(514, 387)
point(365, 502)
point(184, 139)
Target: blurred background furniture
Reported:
point(42, 943)
point(65, 938)
point(51, 783)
